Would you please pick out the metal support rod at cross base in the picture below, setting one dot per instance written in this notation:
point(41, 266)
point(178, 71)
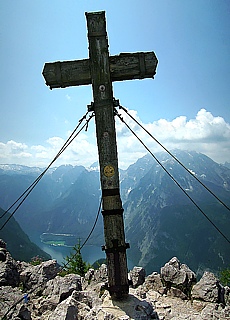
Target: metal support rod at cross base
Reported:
point(100, 70)
point(115, 246)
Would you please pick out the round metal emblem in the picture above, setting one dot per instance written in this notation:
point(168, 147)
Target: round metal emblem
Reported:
point(109, 171)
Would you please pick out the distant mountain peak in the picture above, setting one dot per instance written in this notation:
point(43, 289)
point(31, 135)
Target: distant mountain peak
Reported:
point(159, 219)
point(19, 169)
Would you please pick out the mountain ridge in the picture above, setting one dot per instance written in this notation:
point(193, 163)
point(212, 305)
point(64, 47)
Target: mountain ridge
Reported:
point(148, 195)
point(156, 193)
point(18, 243)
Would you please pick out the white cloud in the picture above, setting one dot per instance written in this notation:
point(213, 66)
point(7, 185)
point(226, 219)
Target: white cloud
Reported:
point(205, 133)
point(14, 152)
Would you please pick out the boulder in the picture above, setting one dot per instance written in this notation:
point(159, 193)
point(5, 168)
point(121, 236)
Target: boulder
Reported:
point(207, 289)
point(66, 310)
point(9, 274)
point(101, 274)
point(153, 282)
point(159, 297)
point(86, 297)
point(2, 250)
point(2, 244)
point(8, 297)
point(77, 306)
point(175, 274)
point(96, 279)
point(22, 265)
point(227, 295)
point(89, 276)
point(36, 275)
point(215, 311)
point(137, 276)
point(60, 288)
point(176, 293)
point(24, 313)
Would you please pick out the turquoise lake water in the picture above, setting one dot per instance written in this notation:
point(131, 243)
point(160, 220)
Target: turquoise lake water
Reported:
point(90, 253)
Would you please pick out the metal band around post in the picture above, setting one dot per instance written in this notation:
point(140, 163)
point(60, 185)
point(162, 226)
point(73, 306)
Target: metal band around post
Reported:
point(110, 192)
point(117, 249)
point(113, 212)
point(97, 34)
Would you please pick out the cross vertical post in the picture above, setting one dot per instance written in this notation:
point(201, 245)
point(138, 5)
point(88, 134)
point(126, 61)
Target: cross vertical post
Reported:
point(115, 246)
point(100, 70)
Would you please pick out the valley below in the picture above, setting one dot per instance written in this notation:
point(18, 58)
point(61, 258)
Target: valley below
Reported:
point(160, 220)
point(58, 246)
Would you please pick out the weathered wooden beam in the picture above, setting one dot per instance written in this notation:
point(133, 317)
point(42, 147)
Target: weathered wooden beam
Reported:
point(67, 73)
point(100, 70)
point(129, 66)
point(125, 66)
point(115, 246)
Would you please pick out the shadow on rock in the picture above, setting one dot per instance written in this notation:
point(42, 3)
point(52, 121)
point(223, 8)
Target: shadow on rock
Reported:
point(129, 308)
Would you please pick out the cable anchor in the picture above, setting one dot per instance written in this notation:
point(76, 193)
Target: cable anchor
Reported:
point(90, 106)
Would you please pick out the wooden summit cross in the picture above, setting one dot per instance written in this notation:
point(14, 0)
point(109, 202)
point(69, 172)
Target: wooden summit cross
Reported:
point(100, 70)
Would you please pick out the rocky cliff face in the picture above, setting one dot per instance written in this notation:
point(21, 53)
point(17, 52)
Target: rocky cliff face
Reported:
point(38, 292)
point(161, 221)
point(18, 242)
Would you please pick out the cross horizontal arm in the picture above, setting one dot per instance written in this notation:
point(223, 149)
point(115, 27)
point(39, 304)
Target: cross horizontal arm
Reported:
point(125, 66)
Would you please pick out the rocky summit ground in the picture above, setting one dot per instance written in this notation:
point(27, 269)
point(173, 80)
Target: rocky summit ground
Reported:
point(38, 292)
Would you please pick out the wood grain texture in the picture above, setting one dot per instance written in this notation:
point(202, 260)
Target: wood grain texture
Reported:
point(125, 66)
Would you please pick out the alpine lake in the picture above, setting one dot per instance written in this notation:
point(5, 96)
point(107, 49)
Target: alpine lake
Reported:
point(58, 246)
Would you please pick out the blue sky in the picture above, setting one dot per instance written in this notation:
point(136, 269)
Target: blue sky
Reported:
point(186, 106)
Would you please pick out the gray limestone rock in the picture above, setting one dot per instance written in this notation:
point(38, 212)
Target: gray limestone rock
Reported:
point(153, 282)
point(97, 276)
point(60, 288)
point(9, 274)
point(137, 276)
point(207, 289)
point(96, 280)
point(24, 313)
point(35, 275)
point(8, 297)
point(61, 298)
point(66, 310)
point(215, 311)
point(2, 250)
point(175, 274)
point(227, 295)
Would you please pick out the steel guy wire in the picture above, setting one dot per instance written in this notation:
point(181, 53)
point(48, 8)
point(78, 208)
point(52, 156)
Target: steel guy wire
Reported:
point(89, 235)
point(26, 193)
point(198, 207)
point(32, 290)
point(210, 191)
